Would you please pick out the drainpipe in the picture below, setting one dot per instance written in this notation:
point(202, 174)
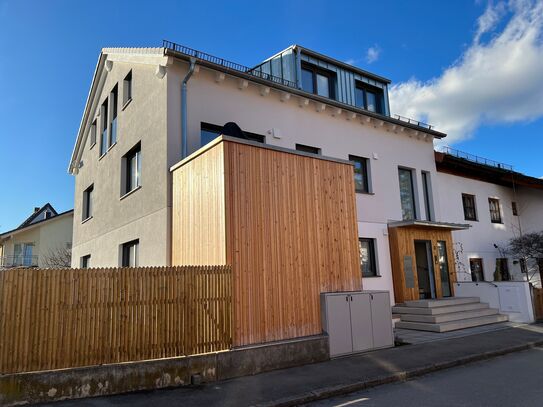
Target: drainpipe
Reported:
point(184, 108)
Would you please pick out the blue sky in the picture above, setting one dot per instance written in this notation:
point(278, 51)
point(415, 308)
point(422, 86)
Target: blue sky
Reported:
point(48, 51)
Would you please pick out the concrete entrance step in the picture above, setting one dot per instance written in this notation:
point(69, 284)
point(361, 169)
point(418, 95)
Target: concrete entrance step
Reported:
point(402, 309)
point(442, 302)
point(452, 325)
point(447, 317)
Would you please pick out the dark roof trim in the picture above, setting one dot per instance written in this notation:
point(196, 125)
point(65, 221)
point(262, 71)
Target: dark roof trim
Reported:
point(37, 213)
point(21, 228)
point(341, 64)
point(468, 169)
point(301, 93)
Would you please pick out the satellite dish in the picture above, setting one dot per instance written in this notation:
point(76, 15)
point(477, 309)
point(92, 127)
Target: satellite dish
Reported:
point(233, 130)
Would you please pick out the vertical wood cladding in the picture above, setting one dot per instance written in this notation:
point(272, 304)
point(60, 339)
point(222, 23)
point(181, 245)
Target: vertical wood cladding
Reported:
point(289, 231)
point(402, 243)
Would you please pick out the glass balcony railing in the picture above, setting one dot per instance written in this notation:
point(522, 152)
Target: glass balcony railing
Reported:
point(18, 261)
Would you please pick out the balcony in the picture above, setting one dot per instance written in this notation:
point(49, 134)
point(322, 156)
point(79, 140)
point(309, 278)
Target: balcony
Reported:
point(18, 261)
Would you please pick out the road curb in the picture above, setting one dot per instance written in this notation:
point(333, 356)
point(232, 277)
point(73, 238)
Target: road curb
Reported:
point(333, 391)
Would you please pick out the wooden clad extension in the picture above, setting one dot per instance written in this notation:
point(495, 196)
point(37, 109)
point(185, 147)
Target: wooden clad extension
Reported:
point(53, 319)
point(285, 221)
point(402, 243)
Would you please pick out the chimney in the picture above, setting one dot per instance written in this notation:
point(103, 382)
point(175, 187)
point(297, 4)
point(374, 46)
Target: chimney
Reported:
point(36, 209)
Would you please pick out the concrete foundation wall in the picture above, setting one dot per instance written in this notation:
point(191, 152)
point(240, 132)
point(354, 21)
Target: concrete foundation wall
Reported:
point(104, 380)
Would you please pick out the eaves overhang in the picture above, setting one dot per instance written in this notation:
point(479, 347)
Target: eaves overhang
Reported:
point(304, 94)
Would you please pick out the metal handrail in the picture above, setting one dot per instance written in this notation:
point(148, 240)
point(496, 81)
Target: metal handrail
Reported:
point(226, 64)
point(18, 261)
point(413, 121)
point(474, 158)
point(476, 282)
point(257, 72)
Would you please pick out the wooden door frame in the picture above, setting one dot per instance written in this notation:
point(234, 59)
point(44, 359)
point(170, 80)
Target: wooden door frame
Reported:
point(402, 244)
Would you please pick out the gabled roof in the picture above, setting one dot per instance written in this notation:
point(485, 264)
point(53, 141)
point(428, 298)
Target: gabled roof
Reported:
point(164, 56)
point(27, 224)
point(97, 82)
point(37, 214)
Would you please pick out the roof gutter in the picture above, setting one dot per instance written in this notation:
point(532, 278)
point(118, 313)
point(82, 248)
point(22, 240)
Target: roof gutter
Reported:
point(299, 92)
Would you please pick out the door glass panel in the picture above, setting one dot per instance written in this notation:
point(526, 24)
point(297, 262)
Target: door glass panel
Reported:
point(425, 271)
point(323, 86)
point(372, 101)
point(443, 269)
point(307, 81)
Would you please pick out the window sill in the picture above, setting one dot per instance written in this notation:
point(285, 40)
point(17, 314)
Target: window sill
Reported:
point(364, 193)
point(92, 145)
point(496, 223)
point(471, 220)
point(86, 220)
point(130, 193)
point(126, 104)
point(371, 276)
point(110, 147)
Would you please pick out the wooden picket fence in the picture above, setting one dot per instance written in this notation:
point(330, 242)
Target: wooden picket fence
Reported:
point(52, 319)
point(538, 303)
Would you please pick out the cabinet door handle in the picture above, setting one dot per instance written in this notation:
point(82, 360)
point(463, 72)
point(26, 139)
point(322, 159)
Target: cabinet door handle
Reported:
point(347, 298)
point(351, 298)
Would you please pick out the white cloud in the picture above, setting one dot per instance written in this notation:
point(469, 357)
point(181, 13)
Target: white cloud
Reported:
point(373, 54)
point(497, 81)
point(490, 18)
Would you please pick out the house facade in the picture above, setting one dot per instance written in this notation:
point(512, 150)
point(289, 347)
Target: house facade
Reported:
point(132, 133)
point(44, 239)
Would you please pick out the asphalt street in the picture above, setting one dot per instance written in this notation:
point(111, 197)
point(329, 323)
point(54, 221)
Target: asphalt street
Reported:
point(511, 380)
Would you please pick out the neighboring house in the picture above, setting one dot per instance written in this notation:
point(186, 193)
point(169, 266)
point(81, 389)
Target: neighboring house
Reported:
point(132, 132)
point(41, 236)
point(498, 204)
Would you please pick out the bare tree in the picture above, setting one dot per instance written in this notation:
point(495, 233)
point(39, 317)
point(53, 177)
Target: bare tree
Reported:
point(528, 249)
point(58, 258)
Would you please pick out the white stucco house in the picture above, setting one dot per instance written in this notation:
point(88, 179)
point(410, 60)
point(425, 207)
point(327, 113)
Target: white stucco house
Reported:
point(148, 108)
point(42, 240)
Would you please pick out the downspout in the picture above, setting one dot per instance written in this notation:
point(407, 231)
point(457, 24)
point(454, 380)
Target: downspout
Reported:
point(184, 147)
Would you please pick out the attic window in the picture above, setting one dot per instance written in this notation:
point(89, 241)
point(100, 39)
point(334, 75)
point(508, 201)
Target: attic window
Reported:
point(369, 97)
point(47, 214)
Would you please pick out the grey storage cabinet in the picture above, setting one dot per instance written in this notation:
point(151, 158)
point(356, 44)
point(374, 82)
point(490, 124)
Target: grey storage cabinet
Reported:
point(357, 321)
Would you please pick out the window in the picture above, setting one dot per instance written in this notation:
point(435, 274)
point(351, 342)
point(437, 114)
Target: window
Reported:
point(113, 100)
point(368, 97)
point(85, 261)
point(87, 202)
point(129, 254)
point(367, 257)
point(407, 194)
point(47, 214)
point(427, 190)
point(93, 134)
point(502, 267)
point(209, 132)
point(103, 129)
point(476, 268)
point(361, 178)
point(131, 173)
point(318, 81)
point(495, 213)
point(514, 208)
point(308, 149)
point(127, 88)
point(468, 201)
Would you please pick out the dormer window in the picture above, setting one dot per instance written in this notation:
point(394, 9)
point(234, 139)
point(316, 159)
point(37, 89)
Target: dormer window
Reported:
point(318, 81)
point(369, 98)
